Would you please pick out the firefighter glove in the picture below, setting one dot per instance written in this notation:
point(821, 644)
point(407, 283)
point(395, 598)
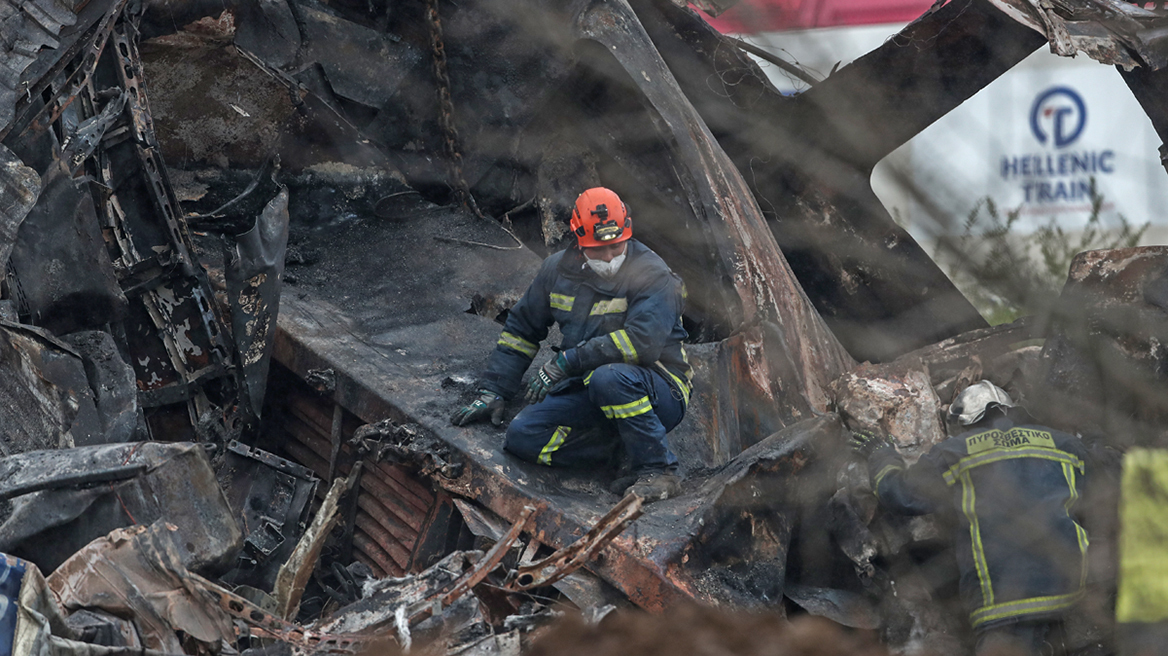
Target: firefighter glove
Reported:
point(488, 404)
point(865, 443)
point(552, 372)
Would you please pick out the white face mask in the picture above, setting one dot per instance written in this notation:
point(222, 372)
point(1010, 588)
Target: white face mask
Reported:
point(604, 269)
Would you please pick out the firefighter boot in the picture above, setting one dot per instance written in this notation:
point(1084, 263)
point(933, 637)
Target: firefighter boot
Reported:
point(656, 486)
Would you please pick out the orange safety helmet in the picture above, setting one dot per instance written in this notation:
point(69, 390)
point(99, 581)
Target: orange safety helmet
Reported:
point(601, 218)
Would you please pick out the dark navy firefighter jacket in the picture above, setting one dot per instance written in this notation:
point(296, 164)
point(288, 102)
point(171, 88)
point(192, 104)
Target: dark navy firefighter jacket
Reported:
point(634, 317)
point(1021, 554)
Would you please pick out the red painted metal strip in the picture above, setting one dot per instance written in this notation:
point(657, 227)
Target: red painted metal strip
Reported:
point(754, 16)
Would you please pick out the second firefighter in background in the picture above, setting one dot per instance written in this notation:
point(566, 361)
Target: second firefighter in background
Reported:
point(1014, 483)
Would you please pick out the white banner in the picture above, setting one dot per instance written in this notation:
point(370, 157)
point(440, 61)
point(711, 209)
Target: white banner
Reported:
point(1034, 140)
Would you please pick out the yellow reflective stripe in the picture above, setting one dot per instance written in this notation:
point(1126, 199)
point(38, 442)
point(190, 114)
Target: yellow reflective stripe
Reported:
point(612, 306)
point(588, 378)
point(1030, 606)
point(688, 372)
point(518, 343)
point(1083, 544)
point(561, 301)
point(1069, 473)
point(684, 386)
point(621, 339)
point(626, 410)
point(685, 389)
point(969, 507)
point(888, 469)
point(997, 455)
point(554, 444)
point(1143, 569)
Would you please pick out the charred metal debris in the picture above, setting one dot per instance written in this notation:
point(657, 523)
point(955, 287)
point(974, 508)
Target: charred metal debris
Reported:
point(224, 377)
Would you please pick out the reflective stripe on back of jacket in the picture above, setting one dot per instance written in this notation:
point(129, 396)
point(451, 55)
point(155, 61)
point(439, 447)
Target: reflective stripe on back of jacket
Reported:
point(1013, 485)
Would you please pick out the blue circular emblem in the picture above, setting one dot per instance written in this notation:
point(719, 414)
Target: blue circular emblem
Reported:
point(1058, 116)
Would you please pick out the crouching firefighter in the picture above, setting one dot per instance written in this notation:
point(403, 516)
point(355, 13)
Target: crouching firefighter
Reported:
point(621, 368)
point(1022, 556)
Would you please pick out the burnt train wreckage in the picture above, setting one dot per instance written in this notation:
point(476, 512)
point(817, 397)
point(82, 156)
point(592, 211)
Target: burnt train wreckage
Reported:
point(348, 127)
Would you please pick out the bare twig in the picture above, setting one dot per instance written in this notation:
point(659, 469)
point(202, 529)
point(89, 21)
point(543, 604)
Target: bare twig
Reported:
point(479, 243)
point(793, 69)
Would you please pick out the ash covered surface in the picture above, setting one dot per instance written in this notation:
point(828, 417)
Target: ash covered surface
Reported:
point(395, 273)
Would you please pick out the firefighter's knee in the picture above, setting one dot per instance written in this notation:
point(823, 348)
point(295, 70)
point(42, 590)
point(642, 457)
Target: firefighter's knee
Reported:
point(609, 379)
point(521, 440)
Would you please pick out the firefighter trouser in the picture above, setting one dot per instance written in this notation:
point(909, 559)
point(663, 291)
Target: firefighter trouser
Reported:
point(572, 426)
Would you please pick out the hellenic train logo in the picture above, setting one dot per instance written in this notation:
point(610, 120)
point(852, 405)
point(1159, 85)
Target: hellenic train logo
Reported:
point(1058, 117)
point(1058, 176)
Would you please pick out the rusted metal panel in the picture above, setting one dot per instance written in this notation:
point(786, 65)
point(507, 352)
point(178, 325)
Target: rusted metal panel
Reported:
point(39, 408)
point(369, 552)
point(382, 501)
point(791, 366)
point(441, 532)
point(132, 573)
point(1105, 359)
point(1109, 31)
point(180, 351)
point(177, 485)
point(569, 559)
point(19, 188)
point(28, 26)
point(867, 109)
point(1151, 90)
point(138, 573)
point(254, 279)
point(392, 504)
point(271, 497)
point(294, 573)
point(808, 159)
point(66, 281)
point(377, 526)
